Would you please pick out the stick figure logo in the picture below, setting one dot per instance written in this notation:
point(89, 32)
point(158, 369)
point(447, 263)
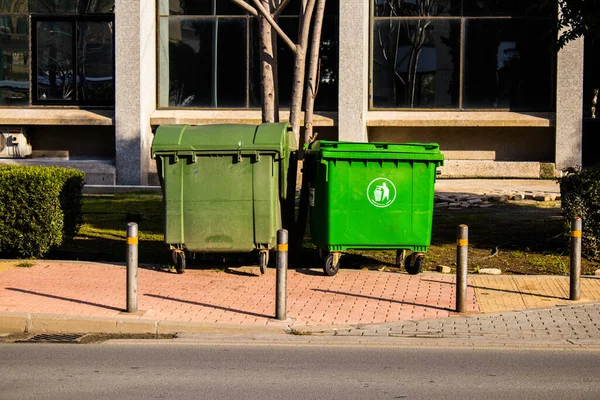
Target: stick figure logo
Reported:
point(381, 192)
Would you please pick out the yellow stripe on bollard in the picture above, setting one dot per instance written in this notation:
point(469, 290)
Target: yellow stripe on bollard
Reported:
point(462, 242)
point(576, 234)
point(282, 247)
point(132, 240)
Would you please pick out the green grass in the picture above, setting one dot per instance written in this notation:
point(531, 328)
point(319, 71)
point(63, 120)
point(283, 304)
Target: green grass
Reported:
point(103, 232)
point(25, 264)
point(529, 237)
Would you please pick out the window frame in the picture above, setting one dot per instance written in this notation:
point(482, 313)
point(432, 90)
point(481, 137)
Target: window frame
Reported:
point(461, 59)
point(74, 19)
point(27, 17)
point(251, 24)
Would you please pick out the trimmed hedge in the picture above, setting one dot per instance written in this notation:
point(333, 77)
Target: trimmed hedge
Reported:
point(580, 197)
point(39, 208)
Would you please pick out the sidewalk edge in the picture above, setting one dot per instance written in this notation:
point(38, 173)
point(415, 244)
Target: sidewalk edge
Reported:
point(19, 322)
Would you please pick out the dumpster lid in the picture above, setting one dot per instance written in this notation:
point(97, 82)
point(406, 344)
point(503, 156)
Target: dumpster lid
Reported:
point(377, 150)
point(275, 137)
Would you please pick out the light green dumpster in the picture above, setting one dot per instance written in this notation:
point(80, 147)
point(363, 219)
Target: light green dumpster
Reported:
point(222, 187)
point(372, 196)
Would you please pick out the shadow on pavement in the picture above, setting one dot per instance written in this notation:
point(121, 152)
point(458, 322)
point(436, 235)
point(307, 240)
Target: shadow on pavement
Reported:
point(306, 271)
point(500, 290)
point(208, 305)
point(382, 299)
point(66, 299)
point(240, 273)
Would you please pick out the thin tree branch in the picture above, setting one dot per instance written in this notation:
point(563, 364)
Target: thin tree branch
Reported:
point(246, 7)
point(280, 8)
point(271, 21)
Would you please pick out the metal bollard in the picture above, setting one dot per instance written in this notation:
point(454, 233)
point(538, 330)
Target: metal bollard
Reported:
point(282, 266)
point(132, 267)
point(575, 263)
point(462, 256)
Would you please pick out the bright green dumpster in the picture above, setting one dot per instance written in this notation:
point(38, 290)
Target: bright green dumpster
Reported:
point(372, 196)
point(222, 187)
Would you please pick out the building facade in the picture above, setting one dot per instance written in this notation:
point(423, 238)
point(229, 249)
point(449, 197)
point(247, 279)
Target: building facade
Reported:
point(87, 81)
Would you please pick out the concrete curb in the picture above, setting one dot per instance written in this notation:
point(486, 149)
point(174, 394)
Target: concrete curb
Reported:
point(52, 323)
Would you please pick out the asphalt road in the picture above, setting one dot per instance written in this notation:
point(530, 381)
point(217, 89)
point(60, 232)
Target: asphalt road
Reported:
point(194, 371)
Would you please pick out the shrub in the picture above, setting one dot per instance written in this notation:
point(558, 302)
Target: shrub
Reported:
point(580, 197)
point(39, 207)
point(70, 199)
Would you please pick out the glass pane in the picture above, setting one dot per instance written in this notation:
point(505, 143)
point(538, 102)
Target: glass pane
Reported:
point(72, 6)
point(416, 63)
point(285, 63)
point(255, 72)
point(207, 63)
point(293, 8)
point(286, 60)
point(54, 60)
point(332, 7)
point(530, 8)
point(509, 64)
point(416, 8)
point(95, 62)
point(14, 60)
point(327, 91)
point(591, 78)
point(203, 7)
point(14, 6)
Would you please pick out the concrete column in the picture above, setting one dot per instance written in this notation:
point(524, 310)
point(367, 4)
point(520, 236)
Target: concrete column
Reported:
point(569, 105)
point(135, 76)
point(354, 70)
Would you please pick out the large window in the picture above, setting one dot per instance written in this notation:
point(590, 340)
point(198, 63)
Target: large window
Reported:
point(209, 56)
point(14, 53)
point(462, 54)
point(57, 52)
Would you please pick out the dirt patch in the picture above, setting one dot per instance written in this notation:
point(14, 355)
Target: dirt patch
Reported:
point(525, 237)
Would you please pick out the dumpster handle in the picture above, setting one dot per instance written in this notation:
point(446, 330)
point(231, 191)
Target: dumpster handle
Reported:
point(325, 164)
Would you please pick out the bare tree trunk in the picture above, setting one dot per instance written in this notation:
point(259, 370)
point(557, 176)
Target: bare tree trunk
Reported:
point(313, 66)
point(300, 68)
point(275, 68)
point(311, 92)
point(267, 59)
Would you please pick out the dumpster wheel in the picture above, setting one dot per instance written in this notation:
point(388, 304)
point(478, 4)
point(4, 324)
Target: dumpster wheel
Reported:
point(414, 263)
point(331, 263)
point(179, 259)
point(263, 260)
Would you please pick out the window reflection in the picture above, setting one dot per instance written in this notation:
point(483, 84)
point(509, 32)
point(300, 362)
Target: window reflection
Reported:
point(499, 52)
point(14, 60)
point(199, 7)
point(415, 63)
point(509, 8)
point(214, 62)
point(207, 65)
point(95, 61)
point(507, 65)
point(71, 6)
point(55, 60)
point(14, 6)
point(415, 8)
point(591, 80)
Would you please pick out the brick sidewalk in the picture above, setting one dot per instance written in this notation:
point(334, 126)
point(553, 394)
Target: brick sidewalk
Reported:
point(237, 296)
point(241, 297)
point(517, 292)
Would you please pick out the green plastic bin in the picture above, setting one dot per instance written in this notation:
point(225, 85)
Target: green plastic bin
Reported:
point(372, 196)
point(223, 186)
